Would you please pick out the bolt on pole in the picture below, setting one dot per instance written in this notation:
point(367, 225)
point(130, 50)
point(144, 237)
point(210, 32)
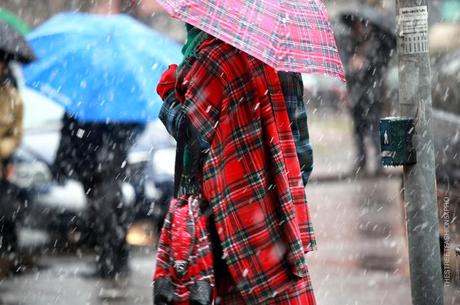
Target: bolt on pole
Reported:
point(419, 179)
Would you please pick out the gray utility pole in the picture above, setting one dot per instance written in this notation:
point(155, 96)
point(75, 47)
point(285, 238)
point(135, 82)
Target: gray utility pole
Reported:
point(419, 179)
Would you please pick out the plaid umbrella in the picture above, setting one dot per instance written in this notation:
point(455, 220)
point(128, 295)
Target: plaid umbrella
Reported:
point(289, 35)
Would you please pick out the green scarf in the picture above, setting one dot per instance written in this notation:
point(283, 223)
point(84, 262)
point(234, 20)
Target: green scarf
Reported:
point(195, 37)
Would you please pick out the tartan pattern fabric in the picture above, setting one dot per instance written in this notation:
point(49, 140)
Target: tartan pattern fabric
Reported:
point(251, 175)
point(289, 35)
point(173, 118)
point(300, 292)
point(292, 86)
point(184, 254)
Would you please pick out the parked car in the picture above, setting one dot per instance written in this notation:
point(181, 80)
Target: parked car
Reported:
point(60, 208)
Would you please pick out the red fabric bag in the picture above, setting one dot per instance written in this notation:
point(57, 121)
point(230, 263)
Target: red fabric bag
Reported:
point(184, 272)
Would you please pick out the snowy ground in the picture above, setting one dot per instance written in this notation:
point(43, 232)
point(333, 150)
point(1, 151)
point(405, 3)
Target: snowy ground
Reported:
point(361, 259)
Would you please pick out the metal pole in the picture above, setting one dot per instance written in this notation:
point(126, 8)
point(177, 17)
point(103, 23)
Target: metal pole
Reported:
point(419, 179)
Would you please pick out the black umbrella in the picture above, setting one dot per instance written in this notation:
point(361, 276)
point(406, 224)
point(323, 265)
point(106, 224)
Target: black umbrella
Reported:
point(13, 45)
point(380, 22)
point(370, 15)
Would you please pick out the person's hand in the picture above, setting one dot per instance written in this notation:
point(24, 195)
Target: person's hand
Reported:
point(167, 81)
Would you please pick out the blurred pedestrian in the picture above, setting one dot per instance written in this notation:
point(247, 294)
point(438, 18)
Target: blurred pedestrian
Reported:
point(235, 114)
point(366, 53)
point(11, 131)
point(96, 154)
point(13, 48)
point(107, 105)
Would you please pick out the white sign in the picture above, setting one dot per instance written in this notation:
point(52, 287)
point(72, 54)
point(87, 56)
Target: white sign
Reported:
point(413, 28)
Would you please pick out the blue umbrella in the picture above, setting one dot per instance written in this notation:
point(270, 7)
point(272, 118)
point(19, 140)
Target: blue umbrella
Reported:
point(100, 68)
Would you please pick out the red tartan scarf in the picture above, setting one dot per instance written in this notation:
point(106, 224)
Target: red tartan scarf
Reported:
point(184, 273)
point(251, 175)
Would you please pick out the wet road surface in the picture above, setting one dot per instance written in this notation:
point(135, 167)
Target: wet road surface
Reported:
point(59, 280)
point(361, 259)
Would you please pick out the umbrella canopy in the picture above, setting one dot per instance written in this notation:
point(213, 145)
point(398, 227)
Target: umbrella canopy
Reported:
point(14, 21)
point(379, 23)
point(289, 35)
point(372, 16)
point(13, 46)
point(101, 68)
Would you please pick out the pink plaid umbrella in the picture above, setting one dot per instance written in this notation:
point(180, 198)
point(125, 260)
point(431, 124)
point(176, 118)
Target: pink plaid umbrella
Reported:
point(289, 35)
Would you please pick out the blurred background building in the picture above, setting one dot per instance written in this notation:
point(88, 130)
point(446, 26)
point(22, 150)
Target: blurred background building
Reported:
point(35, 12)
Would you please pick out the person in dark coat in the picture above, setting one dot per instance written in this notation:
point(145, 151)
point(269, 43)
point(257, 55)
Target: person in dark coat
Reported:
point(366, 53)
point(11, 132)
point(96, 155)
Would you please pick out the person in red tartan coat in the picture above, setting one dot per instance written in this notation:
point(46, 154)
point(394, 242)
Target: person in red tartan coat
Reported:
point(249, 173)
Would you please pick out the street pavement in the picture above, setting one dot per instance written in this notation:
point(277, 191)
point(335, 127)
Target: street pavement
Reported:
point(362, 251)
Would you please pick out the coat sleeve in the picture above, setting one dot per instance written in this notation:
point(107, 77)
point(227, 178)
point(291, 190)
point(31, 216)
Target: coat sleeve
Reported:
point(14, 136)
point(172, 114)
point(303, 144)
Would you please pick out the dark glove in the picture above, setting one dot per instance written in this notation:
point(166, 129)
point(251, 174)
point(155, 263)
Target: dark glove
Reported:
point(163, 292)
point(167, 81)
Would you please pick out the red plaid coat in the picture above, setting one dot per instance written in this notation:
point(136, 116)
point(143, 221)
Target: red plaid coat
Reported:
point(251, 175)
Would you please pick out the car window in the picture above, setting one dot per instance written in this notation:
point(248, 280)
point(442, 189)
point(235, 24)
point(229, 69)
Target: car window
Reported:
point(39, 111)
